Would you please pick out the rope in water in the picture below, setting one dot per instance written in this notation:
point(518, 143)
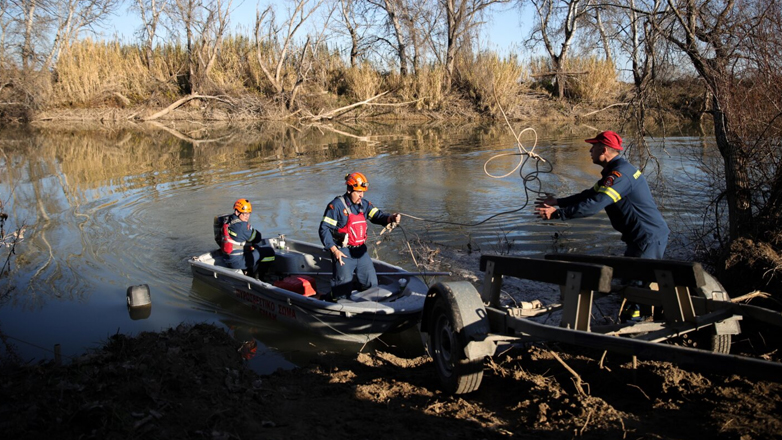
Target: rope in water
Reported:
point(529, 179)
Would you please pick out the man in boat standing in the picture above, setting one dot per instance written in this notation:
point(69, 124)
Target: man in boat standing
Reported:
point(236, 238)
point(624, 194)
point(343, 231)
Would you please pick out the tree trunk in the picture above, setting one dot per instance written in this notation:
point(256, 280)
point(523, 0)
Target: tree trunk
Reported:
point(736, 178)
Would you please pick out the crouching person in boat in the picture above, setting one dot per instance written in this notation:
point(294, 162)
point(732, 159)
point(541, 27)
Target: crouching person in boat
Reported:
point(236, 238)
point(343, 231)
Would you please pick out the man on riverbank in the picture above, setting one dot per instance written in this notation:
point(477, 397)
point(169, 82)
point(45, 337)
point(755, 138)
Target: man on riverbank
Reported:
point(343, 231)
point(624, 194)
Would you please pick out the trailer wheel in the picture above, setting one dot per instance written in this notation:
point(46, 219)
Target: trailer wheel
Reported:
point(458, 375)
point(707, 338)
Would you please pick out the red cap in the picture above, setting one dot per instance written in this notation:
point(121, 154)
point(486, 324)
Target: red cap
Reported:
point(609, 139)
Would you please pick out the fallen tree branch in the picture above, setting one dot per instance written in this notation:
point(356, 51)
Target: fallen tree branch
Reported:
point(545, 74)
point(623, 104)
point(342, 110)
point(183, 101)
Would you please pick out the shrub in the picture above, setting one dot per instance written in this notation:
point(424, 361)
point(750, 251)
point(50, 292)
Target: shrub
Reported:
point(491, 81)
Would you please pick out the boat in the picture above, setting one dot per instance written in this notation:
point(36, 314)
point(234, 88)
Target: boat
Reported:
point(292, 289)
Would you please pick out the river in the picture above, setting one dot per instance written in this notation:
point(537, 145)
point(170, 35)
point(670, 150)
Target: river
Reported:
point(108, 207)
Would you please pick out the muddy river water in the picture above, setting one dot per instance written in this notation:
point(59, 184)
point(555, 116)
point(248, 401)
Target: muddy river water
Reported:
point(103, 208)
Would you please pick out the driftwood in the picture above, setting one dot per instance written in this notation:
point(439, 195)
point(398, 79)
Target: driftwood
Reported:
point(184, 100)
point(367, 102)
point(121, 97)
point(339, 111)
point(622, 104)
point(545, 74)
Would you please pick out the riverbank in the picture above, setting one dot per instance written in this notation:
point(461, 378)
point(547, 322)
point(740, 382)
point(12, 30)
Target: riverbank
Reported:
point(192, 382)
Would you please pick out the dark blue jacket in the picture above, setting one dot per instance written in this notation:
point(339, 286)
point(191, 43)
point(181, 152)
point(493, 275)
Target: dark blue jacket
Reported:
point(626, 198)
point(242, 233)
point(336, 216)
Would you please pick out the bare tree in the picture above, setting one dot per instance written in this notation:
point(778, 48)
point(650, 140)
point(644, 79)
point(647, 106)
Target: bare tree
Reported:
point(5, 26)
point(462, 17)
point(558, 21)
point(205, 24)
point(151, 13)
point(422, 29)
point(349, 17)
point(734, 47)
point(599, 12)
point(274, 46)
point(396, 13)
point(42, 28)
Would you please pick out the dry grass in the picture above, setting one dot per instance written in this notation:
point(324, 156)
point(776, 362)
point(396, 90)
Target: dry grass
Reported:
point(492, 81)
point(92, 73)
point(598, 85)
point(594, 81)
point(426, 85)
point(363, 82)
point(96, 74)
point(232, 72)
point(89, 72)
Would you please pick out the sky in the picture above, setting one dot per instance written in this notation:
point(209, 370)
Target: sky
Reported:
point(503, 34)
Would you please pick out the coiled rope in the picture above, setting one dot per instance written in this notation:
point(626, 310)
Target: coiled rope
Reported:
point(531, 180)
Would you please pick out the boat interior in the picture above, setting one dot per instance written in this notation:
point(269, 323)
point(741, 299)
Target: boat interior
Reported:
point(292, 264)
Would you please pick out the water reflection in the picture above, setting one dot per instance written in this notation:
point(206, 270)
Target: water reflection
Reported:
point(107, 207)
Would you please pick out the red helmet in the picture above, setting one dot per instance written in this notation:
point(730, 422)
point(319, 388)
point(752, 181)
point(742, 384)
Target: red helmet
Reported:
point(357, 181)
point(243, 206)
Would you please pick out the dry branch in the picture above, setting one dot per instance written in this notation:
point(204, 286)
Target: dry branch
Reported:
point(576, 377)
point(183, 101)
point(604, 108)
point(545, 74)
point(749, 296)
point(338, 112)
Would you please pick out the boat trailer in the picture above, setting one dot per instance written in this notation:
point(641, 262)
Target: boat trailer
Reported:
point(461, 326)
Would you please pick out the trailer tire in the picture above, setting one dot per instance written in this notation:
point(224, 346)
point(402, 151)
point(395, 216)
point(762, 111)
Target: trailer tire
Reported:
point(708, 339)
point(457, 373)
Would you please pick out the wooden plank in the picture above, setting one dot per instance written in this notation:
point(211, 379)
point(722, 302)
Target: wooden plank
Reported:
point(677, 305)
point(593, 276)
point(685, 273)
point(576, 312)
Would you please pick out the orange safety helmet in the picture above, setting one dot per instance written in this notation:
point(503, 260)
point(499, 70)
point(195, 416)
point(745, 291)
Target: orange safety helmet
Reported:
point(243, 206)
point(357, 181)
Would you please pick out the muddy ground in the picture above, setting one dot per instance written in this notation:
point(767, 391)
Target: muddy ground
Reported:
point(192, 382)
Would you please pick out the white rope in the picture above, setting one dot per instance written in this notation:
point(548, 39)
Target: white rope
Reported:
point(522, 152)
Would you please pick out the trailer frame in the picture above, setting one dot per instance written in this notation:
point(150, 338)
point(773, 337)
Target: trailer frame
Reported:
point(462, 326)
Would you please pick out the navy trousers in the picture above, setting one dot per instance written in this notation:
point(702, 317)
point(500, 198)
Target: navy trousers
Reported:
point(358, 261)
point(653, 249)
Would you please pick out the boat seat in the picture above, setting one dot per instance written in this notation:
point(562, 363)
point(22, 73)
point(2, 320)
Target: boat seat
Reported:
point(292, 262)
point(219, 261)
point(377, 293)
